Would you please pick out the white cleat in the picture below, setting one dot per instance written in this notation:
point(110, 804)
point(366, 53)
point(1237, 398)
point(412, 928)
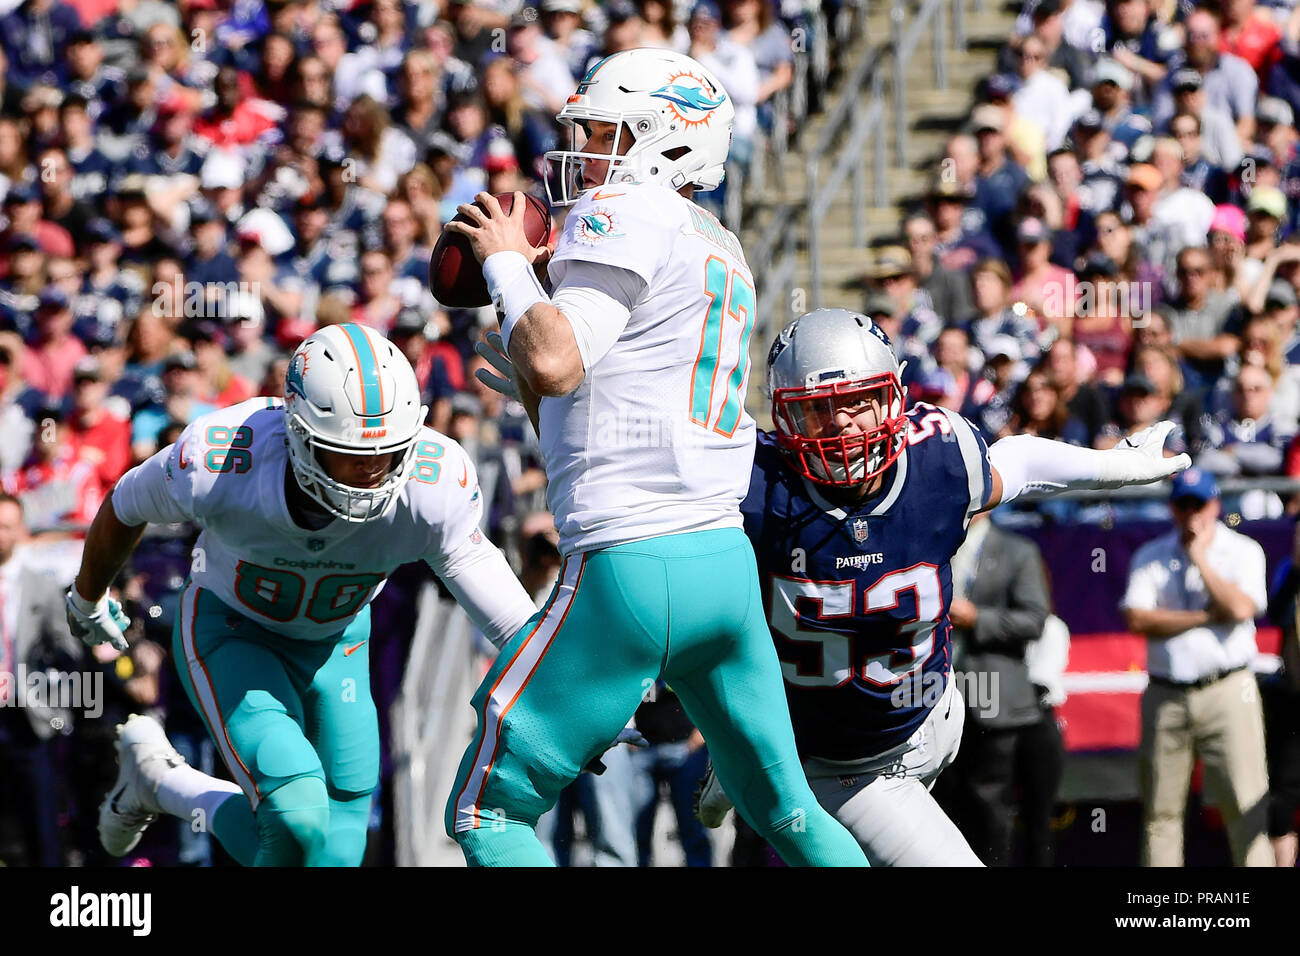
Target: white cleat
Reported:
point(711, 804)
point(144, 754)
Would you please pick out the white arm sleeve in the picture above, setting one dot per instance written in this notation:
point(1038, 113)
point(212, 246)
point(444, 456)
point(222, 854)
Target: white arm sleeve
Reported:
point(597, 300)
point(1026, 463)
point(480, 579)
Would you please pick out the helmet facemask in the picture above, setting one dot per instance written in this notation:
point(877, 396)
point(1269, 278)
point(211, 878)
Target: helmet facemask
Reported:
point(806, 426)
point(566, 166)
point(344, 501)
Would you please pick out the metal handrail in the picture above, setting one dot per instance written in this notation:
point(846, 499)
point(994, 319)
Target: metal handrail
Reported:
point(858, 123)
point(930, 17)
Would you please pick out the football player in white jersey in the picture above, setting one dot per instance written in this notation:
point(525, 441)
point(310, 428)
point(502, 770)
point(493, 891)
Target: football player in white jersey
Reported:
point(306, 506)
point(635, 371)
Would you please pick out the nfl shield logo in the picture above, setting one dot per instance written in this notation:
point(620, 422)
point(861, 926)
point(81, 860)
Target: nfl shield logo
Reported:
point(859, 530)
point(315, 544)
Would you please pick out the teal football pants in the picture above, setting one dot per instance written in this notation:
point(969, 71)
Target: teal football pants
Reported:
point(685, 607)
point(294, 723)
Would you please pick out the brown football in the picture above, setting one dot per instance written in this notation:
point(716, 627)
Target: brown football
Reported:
point(456, 277)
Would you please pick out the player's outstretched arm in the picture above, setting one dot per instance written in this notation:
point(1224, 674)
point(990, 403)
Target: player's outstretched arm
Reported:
point(92, 615)
point(1023, 463)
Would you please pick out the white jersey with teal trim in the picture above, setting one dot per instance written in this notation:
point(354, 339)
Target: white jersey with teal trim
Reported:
point(227, 474)
point(656, 439)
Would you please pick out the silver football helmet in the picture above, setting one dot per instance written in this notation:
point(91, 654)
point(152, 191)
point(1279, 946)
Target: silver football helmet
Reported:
point(826, 370)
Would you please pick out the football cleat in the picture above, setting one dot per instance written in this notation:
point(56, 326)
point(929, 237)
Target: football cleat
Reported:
point(711, 803)
point(144, 754)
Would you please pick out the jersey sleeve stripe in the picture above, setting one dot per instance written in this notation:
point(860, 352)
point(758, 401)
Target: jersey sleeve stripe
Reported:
point(206, 695)
point(976, 464)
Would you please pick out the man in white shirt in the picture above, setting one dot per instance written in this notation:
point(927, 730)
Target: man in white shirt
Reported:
point(1194, 593)
point(1043, 98)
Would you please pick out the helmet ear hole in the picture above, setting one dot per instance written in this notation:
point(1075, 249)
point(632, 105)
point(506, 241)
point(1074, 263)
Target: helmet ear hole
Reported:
point(676, 153)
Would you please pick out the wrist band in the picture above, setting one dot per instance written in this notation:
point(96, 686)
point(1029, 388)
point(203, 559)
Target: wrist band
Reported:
point(514, 288)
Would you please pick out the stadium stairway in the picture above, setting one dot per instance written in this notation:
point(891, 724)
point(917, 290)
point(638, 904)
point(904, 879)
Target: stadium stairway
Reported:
point(931, 116)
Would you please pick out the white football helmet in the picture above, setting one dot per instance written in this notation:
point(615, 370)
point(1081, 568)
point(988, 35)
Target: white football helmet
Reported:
point(678, 112)
point(824, 363)
point(350, 390)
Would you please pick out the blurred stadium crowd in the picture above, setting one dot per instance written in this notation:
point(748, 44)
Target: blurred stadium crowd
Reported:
point(1111, 240)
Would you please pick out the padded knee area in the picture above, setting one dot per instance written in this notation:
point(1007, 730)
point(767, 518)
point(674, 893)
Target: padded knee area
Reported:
point(293, 824)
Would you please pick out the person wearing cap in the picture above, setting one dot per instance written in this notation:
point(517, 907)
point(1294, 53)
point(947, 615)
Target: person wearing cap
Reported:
point(100, 426)
point(1194, 594)
point(48, 363)
point(1232, 267)
point(1275, 122)
point(108, 292)
point(1026, 142)
point(180, 402)
point(23, 208)
point(222, 386)
point(1043, 286)
point(1099, 163)
point(891, 273)
point(1112, 89)
point(962, 236)
point(999, 180)
point(949, 290)
point(171, 149)
point(1043, 98)
point(439, 368)
point(1139, 404)
point(1004, 370)
point(562, 21)
point(1267, 209)
point(1230, 84)
point(1219, 141)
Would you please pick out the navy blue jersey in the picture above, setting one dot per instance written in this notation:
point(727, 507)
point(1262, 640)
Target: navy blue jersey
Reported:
point(857, 597)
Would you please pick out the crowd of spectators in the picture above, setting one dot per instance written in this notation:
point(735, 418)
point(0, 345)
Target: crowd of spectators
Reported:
point(1112, 238)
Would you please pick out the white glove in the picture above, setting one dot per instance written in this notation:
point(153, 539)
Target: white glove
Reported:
point(1140, 459)
point(95, 622)
point(494, 350)
point(711, 803)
